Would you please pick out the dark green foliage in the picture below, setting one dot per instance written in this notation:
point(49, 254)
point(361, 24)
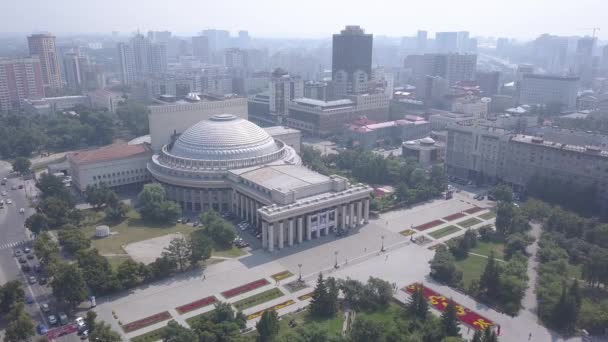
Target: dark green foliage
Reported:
point(268, 326)
point(10, 294)
point(418, 306)
point(73, 239)
point(97, 272)
point(324, 298)
point(502, 193)
point(365, 330)
point(569, 195)
point(460, 247)
point(154, 206)
point(490, 278)
point(69, 285)
point(21, 164)
point(37, 223)
point(449, 320)
point(20, 325)
point(373, 295)
point(443, 268)
point(135, 117)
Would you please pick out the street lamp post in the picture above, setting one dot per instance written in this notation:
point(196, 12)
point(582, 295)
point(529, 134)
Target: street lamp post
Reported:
point(336, 263)
point(382, 247)
point(300, 269)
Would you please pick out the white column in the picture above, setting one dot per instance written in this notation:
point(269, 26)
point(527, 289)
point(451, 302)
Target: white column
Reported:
point(271, 238)
point(366, 210)
point(290, 233)
point(343, 226)
point(281, 237)
point(351, 215)
point(256, 206)
point(318, 232)
point(308, 228)
point(264, 234)
point(241, 206)
point(359, 212)
point(299, 227)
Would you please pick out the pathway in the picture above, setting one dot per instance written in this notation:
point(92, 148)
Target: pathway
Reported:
point(529, 303)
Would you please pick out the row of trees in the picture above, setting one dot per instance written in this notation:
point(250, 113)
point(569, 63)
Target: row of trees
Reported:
point(20, 326)
point(100, 195)
point(154, 207)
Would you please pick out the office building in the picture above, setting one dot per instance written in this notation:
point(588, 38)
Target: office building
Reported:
point(368, 134)
point(452, 67)
point(159, 36)
point(471, 106)
point(74, 70)
point(316, 90)
point(548, 89)
point(283, 89)
point(421, 41)
point(126, 59)
point(235, 58)
point(440, 119)
point(446, 42)
point(20, 79)
point(243, 39)
point(463, 41)
point(227, 163)
point(43, 46)
point(158, 58)
point(218, 39)
point(200, 48)
point(488, 82)
point(427, 151)
point(351, 61)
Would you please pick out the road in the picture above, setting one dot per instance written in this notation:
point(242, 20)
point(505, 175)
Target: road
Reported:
point(13, 235)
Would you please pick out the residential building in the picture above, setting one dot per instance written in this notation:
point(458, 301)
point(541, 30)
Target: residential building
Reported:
point(488, 82)
point(74, 70)
point(157, 56)
point(421, 41)
point(446, 42)
point(20, 79)
point(283, 89)
point(126, 59)
point(235, 58)
point(463, 42)
point(548, 89)
point(351, 61)
point(53, 105)
point(453, 67)
point(367, 134)
point(200, 48)
point(43, 46)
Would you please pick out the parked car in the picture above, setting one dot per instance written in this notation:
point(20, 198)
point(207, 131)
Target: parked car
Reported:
point(196, 224)
point(31, 256)
point(44, 307)
point(80, 324)
point(20, 186)
point(17, 253)
point(21, 211)
point(52, 320)
point(491, 197)
point(29, 299)
point(32, 280)
point(84, 334)
point(42, 329)
point(26, 268)
point(63, 318)
point(27, 250)
point(9, 201)
point(22, 260)
point(42, 281)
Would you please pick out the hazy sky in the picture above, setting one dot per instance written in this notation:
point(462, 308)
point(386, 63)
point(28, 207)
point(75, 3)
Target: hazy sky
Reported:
point(308, 18)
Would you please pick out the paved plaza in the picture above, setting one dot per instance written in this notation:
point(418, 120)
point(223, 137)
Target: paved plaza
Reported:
point(147, 251)
point(358, 255)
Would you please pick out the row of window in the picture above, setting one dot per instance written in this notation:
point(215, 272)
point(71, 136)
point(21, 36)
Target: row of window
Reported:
point(118, 174)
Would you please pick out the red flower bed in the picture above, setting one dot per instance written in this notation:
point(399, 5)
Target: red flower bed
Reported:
point(197, 304)
point(144, 322)
point(473, 210)
point(428, 225)
point(453, 217)
point(245, 288)
point(439, 302)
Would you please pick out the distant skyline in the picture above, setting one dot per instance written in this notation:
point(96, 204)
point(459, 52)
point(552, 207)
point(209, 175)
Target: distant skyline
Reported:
point(521, 19)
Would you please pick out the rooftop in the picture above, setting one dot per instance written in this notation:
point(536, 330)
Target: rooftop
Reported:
point(284, 177)
point(321, 103)
point(107, 153)
point(528, 139)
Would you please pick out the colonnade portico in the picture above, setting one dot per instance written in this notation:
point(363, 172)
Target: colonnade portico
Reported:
point(296, 229)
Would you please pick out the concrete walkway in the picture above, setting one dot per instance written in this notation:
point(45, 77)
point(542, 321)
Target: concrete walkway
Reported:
point(529, 303)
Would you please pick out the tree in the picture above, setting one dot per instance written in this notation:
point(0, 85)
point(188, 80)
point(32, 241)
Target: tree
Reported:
point(503, 193)
point(443, 267)
point(58, 212)
point(103, 332)
point(365, 330)
point(73, 239)
point(37, 223)
point(21, 165)
point(222, 233)
point(318, 303)
point(490, 278)
point(201, 247)
point(504, 218)
point(45, 248)
point(52, 186)
point(477, 336)
point(449, 320)
point(117, 211)
point(489, 335)
point(90, 320)
point(179, 251)
point(418, 307)
point(97, 272)
point(20, 326)
point(175, 332)
point(162, 267)
point(332, 296)
point(68, 285)
point(129, 274)
point(268, 326)
point(10, 293)
point(134, 115)
point(154, 207)
point(97, 195)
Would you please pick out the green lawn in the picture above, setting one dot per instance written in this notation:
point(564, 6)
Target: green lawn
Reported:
point(386, 315)
point(484, 248)
point(257, 299)
point(233, 252)
point(469, 222)
point(472, 267)
point(444, 231)
point(192, 319)
point(116, 260)
point(151, 336)
point(131, 229)
point(488, 215)
point(332, 325)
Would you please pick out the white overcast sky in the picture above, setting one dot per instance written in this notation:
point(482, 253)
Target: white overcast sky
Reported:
point(308, 18)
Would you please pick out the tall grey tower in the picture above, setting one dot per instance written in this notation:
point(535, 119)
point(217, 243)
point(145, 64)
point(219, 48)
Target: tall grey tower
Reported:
point(351, 61)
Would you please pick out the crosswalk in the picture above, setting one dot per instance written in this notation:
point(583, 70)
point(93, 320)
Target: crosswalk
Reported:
point(13, 244)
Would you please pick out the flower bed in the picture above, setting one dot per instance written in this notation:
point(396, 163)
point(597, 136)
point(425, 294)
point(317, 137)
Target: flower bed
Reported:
point(473, 210)
point(272, 308)
point(258, 299)
point(196, 305)
point(438, 234)
point(193, 319)
point(487, 216)
point(151, 336)
point(469, 222)
point(439, 302)
point(245, 288)
point(144, 322)
point(281, 275)
point(305, 296)
point(429, 225)
point(453, 217)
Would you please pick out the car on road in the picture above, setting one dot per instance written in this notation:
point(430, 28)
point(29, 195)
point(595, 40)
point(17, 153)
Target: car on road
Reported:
point(20, 186)
point(32, 280)
point(29, 299)
point(80, 324)
point(84, 334)
point(3, 193)
point(63, 318)
point(31, 256)
point(26, 250)
point(44, 307)
point(26, 268)
point(21, 211)
point(42, 281)
point(9, 201)
point(17, 253)
point(52, 319)
point(14, 187)
point(22, 260)
point(42, 329)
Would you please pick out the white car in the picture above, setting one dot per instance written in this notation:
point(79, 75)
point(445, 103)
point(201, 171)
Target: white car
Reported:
point(22, 210)
point(3, 193)
point(79, 322)
point(9, 201)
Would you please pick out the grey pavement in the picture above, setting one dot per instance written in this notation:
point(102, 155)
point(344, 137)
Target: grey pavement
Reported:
point(529, 302)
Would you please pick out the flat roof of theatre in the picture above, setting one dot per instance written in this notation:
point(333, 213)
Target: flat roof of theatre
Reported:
point(284, 177)
point(321, 103)
point(107, 153)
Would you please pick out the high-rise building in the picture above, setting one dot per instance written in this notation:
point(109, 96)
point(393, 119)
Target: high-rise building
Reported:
point(283, 89)
point(460, 67)
point(159, 36)
point(43, 46)
point(547, 89)
point(73, 66)
point(452, 67)
point(141, 52)
point(158, 58)
point(351, 61)
point(243, 39)
point(20, 79)
point(127, 64)
point(200, 48)
point(463, 42)
point(235, 58)
point(218, 39)
point(488, 82)
point(421, 40)
point(446, 42)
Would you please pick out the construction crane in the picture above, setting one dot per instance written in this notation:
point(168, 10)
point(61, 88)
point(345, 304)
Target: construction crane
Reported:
point(594, 29)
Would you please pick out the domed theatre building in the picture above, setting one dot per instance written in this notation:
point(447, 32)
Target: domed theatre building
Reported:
point(230, 164)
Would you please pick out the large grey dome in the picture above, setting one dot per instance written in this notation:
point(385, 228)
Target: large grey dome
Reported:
point(224, 137)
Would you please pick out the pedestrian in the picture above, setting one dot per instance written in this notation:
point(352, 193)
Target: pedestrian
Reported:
point(365, 250)
point(386, 258)
point(530, 337)
point(204, 276)
point(498, 330)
